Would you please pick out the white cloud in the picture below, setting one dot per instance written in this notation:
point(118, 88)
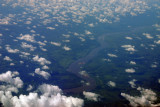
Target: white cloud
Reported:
point(91, 25)
point(132, 63)
point(148, 35)
point(45, 67)
point(12, 50)
point(51, 28)
point(8, 77)
point(112, 55)
point(66, 48)
point(29, 88)
point(91, 96)
point(26, 37)
point(41, 60)
point(7, 58)
point(131, 70)
point(111, 84)
point(51, 96)
point(157, 42)
point(129, 48)
point(44, 74)
point(158, 80)
point(146, 99)
point(1, 34)
point(56, 43)
point(25, 45)
point(84, 73)
point(129, 38)
point(132, 83)
point(88, 32)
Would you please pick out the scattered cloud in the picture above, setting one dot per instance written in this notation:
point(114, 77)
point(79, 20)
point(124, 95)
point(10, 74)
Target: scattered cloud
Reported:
point(131, 70)
point(84, 73)
point(111, 84)
point(44, 74)
point(51, 96)
point(9, 77)
point(7, 58)
point(146, 99)
point(112, 55)
point(91, 96)
point(26, 37)
point(132, 83)
point(129, 48)
point(148, 35)
point(41, 60)
point(66, 48)
point(56, 43)
point(132, 62)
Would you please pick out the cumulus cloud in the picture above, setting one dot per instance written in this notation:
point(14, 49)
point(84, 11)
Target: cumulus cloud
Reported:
point(132, 83)
point(66, 48)
point(111, 84)
point(29, 88)
point(129, 48)
point(8, 77)
point(7, 58)
point(56, 43)
point(44, 74)
point(91, 96)
point(41, 60)
point(132, 63)
point(112, 55)
point(131, 70)
point(148, 35)
point(129, 38)
point(51, 96)
point(157, 42)
point(26, 37)
point(88, 32)
point(45, 67)
point(84, 73)
point(12, 50)
point(25, 45)
point(146, 99)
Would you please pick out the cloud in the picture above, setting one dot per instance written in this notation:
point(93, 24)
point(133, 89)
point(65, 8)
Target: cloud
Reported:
point(7, 58)
point(129, 38)
point(112, 55)
point(26, 37)
point(44, 74)
point(157, 42)
point(131, 70)
point(146, 99)
point(91, 96)
point(41, 60)
point(56, 43)
point(132, 63)
point(111, 84)
point(84, 73)
point(148, 35)
point(51, 96)
point(91, 25)
point(45, 67)
point(25, 45)
point(9, 77)
point(12, 50)
point(87, 32)
point(66, 48)
point(132, 83)
point(29, 88)
point(129, 48)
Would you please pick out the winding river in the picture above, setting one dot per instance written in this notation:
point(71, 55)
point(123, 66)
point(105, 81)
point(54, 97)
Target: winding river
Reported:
point(75, 68)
